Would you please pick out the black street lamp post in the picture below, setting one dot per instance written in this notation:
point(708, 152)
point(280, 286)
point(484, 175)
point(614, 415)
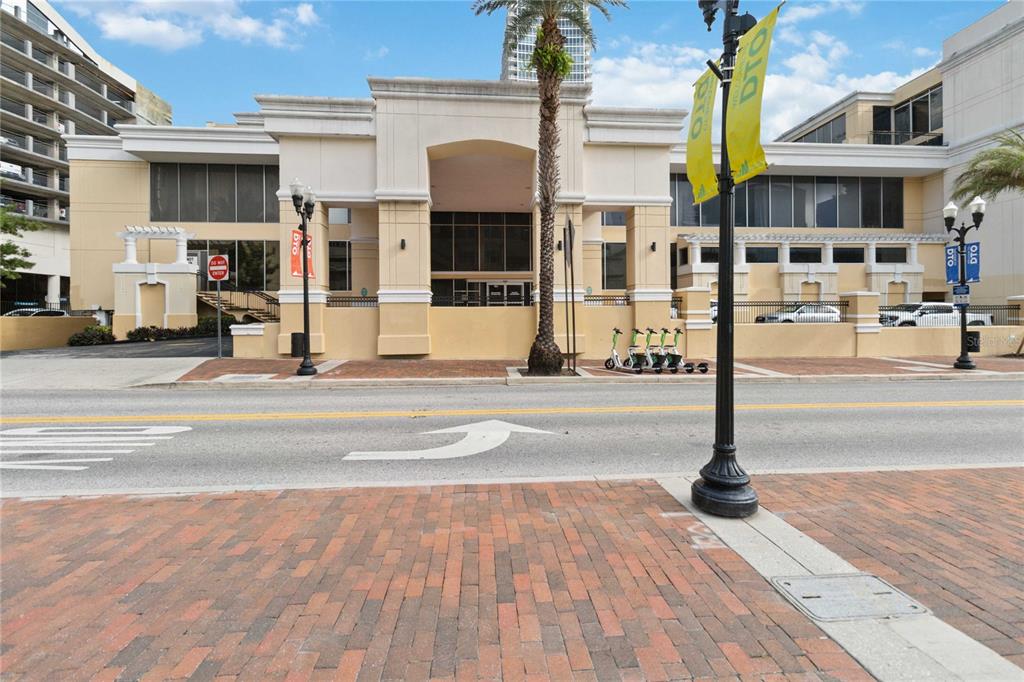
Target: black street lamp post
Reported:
point(304, 201)
point(977, 207)
point(724, 487)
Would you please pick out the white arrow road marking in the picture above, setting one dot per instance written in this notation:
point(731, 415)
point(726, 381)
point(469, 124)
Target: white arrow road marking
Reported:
point(77, 440)
point(480, 437)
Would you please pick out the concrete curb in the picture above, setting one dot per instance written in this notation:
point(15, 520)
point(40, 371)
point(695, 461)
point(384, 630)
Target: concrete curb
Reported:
point(327, 384)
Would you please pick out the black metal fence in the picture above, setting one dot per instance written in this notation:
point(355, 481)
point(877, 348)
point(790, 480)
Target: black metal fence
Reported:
point(787, 312)
point(597, 300)
point(475, 300)
point(351, 301)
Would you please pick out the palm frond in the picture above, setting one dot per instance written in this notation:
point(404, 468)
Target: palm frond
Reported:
point(995, 170)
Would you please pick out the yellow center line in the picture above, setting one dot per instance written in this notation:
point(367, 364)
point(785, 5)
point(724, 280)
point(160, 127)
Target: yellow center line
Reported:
point(468, 412)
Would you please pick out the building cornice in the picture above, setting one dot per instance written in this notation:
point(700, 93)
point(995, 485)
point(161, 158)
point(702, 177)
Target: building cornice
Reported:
point(818, 238)
point(214, 143)
point(297, 116)
point(615, 125)
point(428, 88)
point(96, 148)
point(1006, 32)
point(805, 158)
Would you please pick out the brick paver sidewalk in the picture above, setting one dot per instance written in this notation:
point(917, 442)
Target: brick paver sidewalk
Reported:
point(497, 369)
point(954, 540)
point(547, 581)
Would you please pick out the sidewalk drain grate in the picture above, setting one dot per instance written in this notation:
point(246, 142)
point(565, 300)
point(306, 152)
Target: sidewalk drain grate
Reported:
point(855, 596)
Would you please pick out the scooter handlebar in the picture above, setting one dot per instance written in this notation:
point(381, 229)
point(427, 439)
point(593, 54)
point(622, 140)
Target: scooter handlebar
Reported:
point(616, 330)
point(649, 330)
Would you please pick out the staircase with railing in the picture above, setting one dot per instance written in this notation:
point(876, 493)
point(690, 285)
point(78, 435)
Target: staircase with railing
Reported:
point(258, 305)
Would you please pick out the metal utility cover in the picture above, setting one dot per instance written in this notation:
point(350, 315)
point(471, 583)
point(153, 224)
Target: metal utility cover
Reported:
point(855, 596)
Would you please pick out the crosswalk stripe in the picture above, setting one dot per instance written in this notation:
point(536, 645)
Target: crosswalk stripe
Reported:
point(78, 440)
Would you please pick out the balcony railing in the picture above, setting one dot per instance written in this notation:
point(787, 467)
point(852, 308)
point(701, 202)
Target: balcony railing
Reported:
point(351, 301)
point(12, 107)
point(42, 87)
point(597, 300)
point(16, 75)
point(64, 184)
point(121, 101)
point(14, 139)
point(44, 148)
point(64, 96)
point(63, 67)
point(14, 205)
point(40, 210)
point(41, 178)
point(41, 117)
point(42, 56)
point(88, 81)
point(89, 109)
point(13, 41)
point(896, 137)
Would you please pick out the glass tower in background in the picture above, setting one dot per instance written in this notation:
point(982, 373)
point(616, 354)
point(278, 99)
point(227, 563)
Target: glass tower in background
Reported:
point(515, 64)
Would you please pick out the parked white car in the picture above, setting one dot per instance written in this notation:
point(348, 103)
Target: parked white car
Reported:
point(807, 312)
point(931, 315)
point(35, 312)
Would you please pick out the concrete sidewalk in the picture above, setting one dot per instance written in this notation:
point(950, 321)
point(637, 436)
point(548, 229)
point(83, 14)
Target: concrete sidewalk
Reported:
point(588, 580)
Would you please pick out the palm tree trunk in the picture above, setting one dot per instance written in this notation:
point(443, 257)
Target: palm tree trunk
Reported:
point(545, 356)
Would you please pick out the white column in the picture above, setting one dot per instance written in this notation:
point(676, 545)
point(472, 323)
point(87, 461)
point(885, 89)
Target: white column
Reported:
point(826, 254)
point(694, 253)
point(784, 254)
point(130, 253)
point(741, 253)
point(912, 253)
point(181, 249)
point(53, 289)
point(870, 257)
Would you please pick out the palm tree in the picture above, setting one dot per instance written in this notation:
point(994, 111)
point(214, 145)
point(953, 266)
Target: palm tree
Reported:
point(552, 64)
point(995, 170)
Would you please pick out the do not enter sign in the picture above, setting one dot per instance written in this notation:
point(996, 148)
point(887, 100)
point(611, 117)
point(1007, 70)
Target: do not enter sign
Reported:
point(217, 268)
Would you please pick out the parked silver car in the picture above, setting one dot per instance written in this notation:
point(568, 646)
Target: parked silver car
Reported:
point(931, 315)
point(806, 312)
point(36, 312)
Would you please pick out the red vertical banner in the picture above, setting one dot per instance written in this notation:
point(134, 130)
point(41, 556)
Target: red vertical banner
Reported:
point(296, 251)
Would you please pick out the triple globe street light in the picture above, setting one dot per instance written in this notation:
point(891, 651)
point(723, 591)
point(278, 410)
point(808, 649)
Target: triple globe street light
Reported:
point(977, 208)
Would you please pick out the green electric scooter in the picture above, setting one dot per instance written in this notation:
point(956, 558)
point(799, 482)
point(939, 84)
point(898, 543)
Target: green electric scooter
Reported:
point(634, 358)
point(670, 354)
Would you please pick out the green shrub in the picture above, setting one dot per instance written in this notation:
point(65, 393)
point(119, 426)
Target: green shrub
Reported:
point(207, 327)
point(93, 335)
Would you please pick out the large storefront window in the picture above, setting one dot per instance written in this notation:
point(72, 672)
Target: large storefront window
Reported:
point(215, 193)
point(253, 264)
point(797, 201)
point(480, 242)
point(340, 266)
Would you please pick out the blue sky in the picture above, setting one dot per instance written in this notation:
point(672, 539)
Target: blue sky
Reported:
point(209, 57)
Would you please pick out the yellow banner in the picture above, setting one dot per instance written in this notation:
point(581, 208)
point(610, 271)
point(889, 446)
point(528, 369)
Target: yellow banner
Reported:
point(700, 168)
point(743, 127)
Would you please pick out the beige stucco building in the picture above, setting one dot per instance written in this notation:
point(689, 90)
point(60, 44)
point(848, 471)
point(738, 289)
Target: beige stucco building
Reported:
point(425, 230)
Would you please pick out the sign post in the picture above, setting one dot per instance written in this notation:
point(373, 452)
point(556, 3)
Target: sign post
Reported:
point(217, 270)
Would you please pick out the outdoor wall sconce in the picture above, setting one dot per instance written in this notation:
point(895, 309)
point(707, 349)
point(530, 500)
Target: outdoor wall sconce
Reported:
point(402, 245)
point(654, 246)
point(559, 245)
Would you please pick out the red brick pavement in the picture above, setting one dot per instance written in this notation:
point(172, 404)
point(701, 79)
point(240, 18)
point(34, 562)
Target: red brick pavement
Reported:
point(545, 581)
point(954, 540)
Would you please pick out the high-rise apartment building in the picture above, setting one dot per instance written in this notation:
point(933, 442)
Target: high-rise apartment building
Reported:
point(515, 64)
point(53, 83)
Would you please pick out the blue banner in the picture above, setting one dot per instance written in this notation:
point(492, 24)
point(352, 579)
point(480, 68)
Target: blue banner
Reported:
point(973, 262)
point(952, 266)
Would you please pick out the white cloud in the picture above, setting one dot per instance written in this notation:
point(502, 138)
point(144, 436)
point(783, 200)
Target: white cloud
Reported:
point(923, 52)
point(378, 53)
point(661, 75)
point(796, 12)
point(174, 24)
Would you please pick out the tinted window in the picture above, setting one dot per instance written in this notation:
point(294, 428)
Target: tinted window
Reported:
point(825, 202)
point(614, 266)
point(849, 202)
point(250, 264)
point(891, 254)
point(711, 211)
point(250, 194)
point(919, 112)
point(517, 246)
point(803, 202)
point(805, 254)
point(683, 210)
point(222, 193)
point(839, 129)
point(272, 208)
point(467, 247)
point(441, 244)
point(192, 184)
point(709, 254)
point(163, 191)
point(848, 254)
point(762, 254)
point(492, 252)
point(613, 217)
point(272, 266)
point(871, 202)
point(739, 206)
point(935, 118)
point(782, 201)
point(340, 266)
point(757, 201)
point(892, 202)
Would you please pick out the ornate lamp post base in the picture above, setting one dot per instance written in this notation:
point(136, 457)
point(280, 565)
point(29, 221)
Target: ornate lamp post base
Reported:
point(306, 370)
point(724, 487)
point(964, 363)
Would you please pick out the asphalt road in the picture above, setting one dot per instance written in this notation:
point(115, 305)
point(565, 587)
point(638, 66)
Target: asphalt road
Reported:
point(249, 438)
point(203, 347)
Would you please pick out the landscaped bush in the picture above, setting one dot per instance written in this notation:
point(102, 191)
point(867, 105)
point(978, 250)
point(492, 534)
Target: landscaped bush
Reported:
point(207, 327)
point(93, 335)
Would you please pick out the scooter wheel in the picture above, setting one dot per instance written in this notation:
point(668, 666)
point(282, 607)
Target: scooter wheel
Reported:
point(657, 370)
point(609, 364)
point(703, 367)
point(674, 370)
point(639, 370)
point(688, 368)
